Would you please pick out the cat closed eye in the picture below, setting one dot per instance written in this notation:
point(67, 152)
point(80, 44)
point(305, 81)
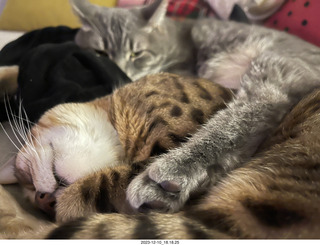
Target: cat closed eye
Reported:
point(135, 55)
point(60, 181)
point(30, 187)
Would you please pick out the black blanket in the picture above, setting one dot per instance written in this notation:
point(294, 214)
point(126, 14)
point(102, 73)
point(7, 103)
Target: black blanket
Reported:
point(54, 70)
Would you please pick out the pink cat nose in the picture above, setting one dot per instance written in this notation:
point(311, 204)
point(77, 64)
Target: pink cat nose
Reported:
point(46, 202)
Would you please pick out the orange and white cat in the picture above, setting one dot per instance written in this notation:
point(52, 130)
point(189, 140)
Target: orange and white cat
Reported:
point(138, 121)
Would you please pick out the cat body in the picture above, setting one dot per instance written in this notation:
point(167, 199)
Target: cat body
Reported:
point(249, 197)
point(75, 140)
point(274, 195)
point(269, 70)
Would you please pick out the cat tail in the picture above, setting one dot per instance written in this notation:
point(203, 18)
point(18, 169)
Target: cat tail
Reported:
point(140, 226)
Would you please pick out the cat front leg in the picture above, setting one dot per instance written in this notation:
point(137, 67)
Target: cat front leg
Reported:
point(100, 192)
point(229, 138)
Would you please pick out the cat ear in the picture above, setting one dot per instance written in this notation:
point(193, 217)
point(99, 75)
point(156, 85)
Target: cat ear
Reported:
point(83, 9)
point(155, 13)
point(7, 172)
point(88, 36)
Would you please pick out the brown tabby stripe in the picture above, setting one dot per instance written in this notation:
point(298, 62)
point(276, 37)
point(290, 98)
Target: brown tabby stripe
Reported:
point(177, 139)
point(115, 176)
point(67, 230)
point(292, 189)
point(301, 177)
point(100, 231)
point(184, 98)
point(272, 215)
point(176, 111)
point(225, 95)
point(157, 149)
point(217, 108)
point(145, 228)
point(151, 109)
point(86, 190)
point(136, 168)
point(151, 93)
point(102, 202)
point(177, 84)
point(156, 121)
point(165, 104)
point(195, 231)
point(216, 220)
point(197, 115)
point(204, 93)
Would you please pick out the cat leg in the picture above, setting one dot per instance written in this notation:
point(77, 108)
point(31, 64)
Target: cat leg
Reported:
point(102, 192)
point(269, 89)
point(233, 133)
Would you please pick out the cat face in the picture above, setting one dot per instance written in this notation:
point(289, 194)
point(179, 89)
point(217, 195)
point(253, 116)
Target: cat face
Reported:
point(69, 142)
point(135, 39)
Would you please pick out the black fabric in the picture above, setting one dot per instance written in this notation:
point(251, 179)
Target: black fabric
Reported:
point(54, 70)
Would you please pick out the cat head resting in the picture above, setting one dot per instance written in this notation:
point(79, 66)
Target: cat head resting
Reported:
point(139, 40)
point(69, 141)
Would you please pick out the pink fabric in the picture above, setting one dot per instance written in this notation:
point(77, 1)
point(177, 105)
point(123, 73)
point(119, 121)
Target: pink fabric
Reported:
point(131, 3)
point(176, 8)
point(300, 18)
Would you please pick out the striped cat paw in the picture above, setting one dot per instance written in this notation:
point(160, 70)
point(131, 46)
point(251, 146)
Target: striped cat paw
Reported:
point(100, 192)
point(165, 185)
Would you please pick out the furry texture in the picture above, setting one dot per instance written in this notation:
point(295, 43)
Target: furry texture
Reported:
point(271, 196)
point(270, 70)
point(274, 195)
point(108, 141)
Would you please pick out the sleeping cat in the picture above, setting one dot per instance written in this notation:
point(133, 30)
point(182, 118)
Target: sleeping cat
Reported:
point(107, 141)
point(275, 195)
point(269, 70)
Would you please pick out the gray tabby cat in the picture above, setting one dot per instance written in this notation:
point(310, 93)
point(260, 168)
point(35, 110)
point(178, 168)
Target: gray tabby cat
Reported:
point(270, 70)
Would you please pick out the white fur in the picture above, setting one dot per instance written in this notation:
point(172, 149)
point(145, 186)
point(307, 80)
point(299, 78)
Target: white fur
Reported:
point(83, 141)
point(229, 68)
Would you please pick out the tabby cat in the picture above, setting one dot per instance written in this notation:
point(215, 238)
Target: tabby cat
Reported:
point(105, 142)
point(269, 70)
point(274, 195)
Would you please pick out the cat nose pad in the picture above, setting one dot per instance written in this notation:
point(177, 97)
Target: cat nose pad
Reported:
point(46, 202)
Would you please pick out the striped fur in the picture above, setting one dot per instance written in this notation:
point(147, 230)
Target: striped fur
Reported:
point(275, 195)
point(166, 110)
point(110, 140)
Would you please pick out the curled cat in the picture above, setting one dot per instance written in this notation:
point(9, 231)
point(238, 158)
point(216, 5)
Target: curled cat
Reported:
point(75, 147)
point(269, 70)
point(274, 195)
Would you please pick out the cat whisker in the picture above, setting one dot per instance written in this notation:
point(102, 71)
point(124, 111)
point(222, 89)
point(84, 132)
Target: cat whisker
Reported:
point(16, 128)
point(25, 130)
point(170, 64)
point(28, 128)
point(13, 143)
point(10, 116)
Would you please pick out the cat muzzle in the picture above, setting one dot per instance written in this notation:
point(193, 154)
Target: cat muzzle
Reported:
point(46, 202)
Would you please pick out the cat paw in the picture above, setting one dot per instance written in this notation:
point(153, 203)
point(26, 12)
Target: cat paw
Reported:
point(100, 192)
point(165, 185)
